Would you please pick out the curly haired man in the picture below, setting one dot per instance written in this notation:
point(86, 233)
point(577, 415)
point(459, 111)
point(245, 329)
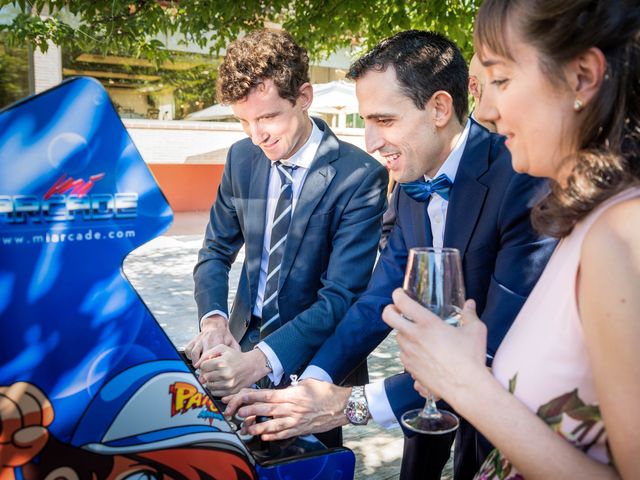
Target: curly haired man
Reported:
point(306, 206)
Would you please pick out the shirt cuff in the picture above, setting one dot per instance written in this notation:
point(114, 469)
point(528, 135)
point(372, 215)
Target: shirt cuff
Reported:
point(213, 312)
point(379, 406)
point(317, 373)
point(276, 367)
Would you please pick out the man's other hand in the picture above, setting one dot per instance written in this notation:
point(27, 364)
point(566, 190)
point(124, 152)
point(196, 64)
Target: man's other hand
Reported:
point(225, 370)
point(214, 332)
point(310, 407)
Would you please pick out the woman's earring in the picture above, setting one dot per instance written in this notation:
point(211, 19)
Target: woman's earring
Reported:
point(577, 105)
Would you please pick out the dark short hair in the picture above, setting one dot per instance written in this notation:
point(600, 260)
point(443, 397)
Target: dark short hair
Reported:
point(608, 159)
point(424, 62)
point(259, 56)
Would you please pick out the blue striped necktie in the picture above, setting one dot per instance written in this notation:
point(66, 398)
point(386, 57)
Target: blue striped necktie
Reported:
point(421, 190)
point(279, 230)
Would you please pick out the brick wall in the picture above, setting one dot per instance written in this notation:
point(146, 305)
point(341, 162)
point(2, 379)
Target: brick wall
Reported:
point(179, 141)
point(198, 142)
point(187, 158)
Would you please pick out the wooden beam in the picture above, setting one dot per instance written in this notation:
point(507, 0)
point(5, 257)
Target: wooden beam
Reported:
point(137, 62)
point(128, 86)
point(94, 73)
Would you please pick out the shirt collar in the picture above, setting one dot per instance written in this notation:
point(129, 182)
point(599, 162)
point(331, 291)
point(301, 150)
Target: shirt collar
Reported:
point(304, 157)
point(450, 165)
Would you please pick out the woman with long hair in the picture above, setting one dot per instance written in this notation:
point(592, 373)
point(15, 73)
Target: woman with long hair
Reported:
point(563, 86)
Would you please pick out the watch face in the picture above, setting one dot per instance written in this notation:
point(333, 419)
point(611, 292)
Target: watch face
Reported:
point(357, 412)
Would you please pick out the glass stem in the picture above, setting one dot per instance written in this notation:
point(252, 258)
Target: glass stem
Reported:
point(430, 410)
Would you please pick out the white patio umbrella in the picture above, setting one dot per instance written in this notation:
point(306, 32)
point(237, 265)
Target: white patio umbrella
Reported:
point(214, 112)
point(334, 98)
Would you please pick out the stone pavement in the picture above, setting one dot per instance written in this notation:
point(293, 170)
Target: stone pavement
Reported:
point(161, 272)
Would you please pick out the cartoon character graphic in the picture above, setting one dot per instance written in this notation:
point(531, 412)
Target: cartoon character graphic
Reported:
point(148, 422)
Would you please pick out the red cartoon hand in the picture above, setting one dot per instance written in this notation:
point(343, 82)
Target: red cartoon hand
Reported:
point(25, 414)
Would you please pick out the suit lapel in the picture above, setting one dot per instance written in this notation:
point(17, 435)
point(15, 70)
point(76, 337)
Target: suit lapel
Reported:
point(468, 194)
point(255, 219)
point(318, 180)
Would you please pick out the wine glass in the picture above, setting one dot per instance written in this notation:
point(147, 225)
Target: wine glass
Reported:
point(434, 279)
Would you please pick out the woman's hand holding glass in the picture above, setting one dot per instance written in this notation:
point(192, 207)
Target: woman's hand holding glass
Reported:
point(442, 359)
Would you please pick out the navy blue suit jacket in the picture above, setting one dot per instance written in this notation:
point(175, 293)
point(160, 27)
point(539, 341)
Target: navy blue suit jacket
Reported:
point(502, 258)
point(329, 252)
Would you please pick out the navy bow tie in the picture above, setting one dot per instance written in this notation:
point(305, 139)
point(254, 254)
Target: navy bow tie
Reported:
point(420, 190)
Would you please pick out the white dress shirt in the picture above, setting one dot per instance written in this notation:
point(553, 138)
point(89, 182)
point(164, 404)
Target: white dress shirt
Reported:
point(302, 159)
point(376, 395)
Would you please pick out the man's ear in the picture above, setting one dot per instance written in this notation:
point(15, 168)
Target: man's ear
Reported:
point(585, 74)
point(441, 106)
point(305, 96)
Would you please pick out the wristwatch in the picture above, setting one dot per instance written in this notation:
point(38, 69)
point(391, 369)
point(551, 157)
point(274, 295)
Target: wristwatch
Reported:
point(357, 410)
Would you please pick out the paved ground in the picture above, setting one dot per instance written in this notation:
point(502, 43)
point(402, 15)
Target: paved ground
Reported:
point(161, 273)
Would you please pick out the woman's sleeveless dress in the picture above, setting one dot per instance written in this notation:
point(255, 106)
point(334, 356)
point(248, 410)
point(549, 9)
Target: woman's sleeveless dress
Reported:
point(543, 358)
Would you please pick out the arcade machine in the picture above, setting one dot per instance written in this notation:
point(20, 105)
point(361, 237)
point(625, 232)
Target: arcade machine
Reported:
point(90, 385)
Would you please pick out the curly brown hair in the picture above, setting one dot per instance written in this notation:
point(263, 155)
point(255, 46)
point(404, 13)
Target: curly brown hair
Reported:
point(608, 158)
point(259, 56)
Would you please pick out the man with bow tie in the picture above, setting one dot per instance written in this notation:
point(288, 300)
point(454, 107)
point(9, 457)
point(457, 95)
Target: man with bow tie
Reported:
point(458, 190)
point(306, 206)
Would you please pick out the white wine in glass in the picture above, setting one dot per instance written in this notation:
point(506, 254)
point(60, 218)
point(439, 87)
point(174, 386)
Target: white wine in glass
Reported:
point(434, 279)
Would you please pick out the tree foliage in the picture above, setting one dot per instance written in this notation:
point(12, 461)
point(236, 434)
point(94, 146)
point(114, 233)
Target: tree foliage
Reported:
point(14, 71)
point(142, 27)
point(325, 25)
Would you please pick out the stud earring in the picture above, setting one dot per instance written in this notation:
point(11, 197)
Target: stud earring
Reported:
point(577, 105)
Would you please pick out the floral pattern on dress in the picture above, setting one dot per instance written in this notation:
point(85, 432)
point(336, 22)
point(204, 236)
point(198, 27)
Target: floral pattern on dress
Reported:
point(497, 467)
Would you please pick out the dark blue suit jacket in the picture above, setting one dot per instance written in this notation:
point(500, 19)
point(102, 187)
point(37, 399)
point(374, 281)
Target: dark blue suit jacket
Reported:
point(329, 252)
point(502, 257)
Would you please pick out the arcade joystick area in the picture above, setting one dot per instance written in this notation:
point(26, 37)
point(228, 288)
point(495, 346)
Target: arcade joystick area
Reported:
point(266, 453)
